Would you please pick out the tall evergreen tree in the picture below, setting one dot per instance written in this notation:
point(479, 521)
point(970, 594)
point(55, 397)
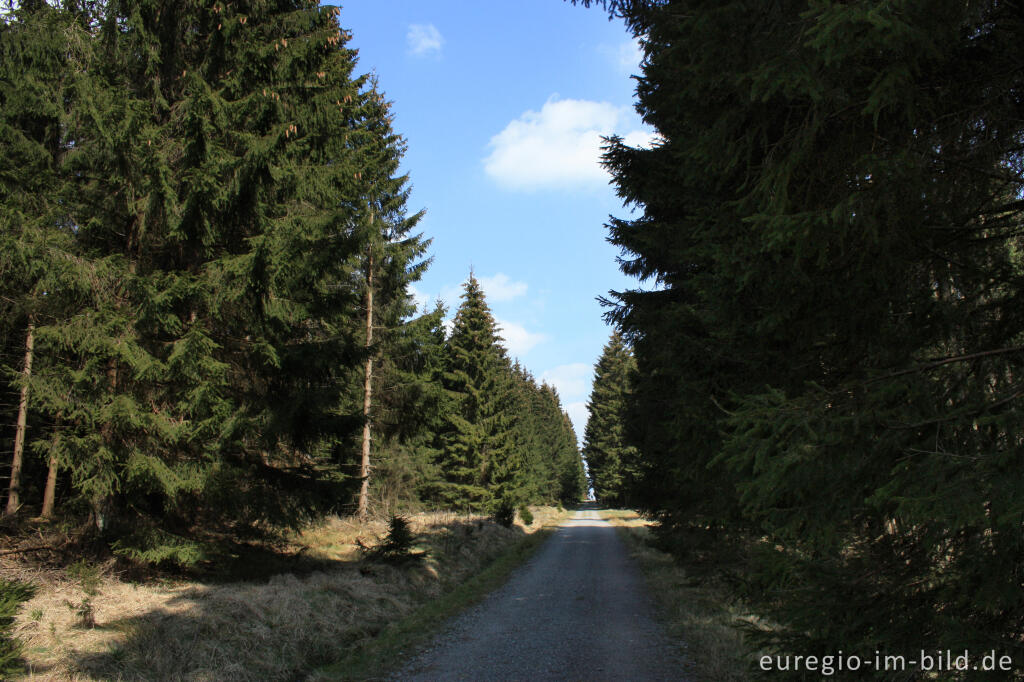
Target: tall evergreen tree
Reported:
point(568, 482)
point(829, 358)
point(408, 412)
point(611, 460)
point(543, 463)
point(392, 261)
point(511, 482)
point(225, 179)
point(43, 59)
point(476, 440)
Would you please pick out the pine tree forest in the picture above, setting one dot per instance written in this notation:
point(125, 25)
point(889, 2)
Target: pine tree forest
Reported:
point(811, 391)
point(828, 348)
point(205, 265)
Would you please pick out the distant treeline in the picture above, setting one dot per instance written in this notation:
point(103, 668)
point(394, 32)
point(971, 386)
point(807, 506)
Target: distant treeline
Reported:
point(829, 351)
point(206, 330)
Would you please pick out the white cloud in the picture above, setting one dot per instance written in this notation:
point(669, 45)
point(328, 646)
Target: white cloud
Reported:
point(571, 381)
point(518, 340)
point(557, 147)
point(641, 138)
point(629, 56)
point(623, 58)
point(501, 288)
point(424, 40)
point(452, 297)
point(578, 414)
point(419, 298)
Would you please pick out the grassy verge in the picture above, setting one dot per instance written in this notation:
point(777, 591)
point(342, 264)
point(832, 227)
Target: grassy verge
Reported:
point(701, 614)
point(397, 641)
point(93, 624)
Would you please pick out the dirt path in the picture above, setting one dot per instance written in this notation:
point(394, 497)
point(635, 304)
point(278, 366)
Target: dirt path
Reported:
point(576, 611)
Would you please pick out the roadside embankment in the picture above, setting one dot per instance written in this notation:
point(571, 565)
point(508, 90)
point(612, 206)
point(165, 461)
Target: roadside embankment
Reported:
point(89, 623)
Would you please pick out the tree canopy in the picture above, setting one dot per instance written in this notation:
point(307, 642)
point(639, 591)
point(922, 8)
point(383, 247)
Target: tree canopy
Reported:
point(507, 441)
point(206, 259)
point(828, 358)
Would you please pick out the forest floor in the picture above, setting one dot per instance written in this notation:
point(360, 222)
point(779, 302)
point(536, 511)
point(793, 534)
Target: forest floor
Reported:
point(92, 621)
point(577, 610)
point(698, 611)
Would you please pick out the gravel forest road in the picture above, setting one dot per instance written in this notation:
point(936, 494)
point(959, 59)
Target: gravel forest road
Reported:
point(578, 610)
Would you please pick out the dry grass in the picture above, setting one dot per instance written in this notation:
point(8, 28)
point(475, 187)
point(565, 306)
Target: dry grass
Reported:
point(702, 616)
point(281, 628)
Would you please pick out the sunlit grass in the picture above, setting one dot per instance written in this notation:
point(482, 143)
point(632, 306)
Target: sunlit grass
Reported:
point(283, 627)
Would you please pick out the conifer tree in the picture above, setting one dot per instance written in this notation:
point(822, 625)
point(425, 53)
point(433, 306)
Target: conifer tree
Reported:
point(43, 56)
point(568, 483)
point(831, 215)
point(511, 482)
point(543, 464)
point(391, 263)
point(409, 411)
point(611, 460)
point(476, 438)
point(225, 165)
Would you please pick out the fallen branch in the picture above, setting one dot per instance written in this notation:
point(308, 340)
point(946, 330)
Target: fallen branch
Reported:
point(22, 550)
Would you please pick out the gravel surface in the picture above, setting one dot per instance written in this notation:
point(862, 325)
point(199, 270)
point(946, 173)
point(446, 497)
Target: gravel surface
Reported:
point(577, 610)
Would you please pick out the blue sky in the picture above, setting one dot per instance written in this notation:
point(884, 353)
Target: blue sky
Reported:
point(502, 105)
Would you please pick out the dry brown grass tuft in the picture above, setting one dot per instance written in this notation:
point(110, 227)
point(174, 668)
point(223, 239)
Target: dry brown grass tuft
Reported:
point(276, 629)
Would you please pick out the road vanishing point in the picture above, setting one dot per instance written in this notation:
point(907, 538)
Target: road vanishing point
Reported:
point(577, 610)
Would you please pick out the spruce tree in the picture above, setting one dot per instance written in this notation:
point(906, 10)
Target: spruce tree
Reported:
point(542, 464)
point(511, 481)
point(475, 442)
point(611, 460)
point(408, 412)
point(392, 260)
point(831, 215)
point(567, 481)
point(44, 54)
point(228, 174)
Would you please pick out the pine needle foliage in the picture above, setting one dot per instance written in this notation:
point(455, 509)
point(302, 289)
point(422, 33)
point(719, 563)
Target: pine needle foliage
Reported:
point(244, 140)
point(506, 440)
point(408, 410)
point(476, 377)
point(612, 462)
point(504, 513)
point(12, 593)
point(43, 53)
point(829, 359)
point(397, 546)
point(203, 229)
point(208, 181)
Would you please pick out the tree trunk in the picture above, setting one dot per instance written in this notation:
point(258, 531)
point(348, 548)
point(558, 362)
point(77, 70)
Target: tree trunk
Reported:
point(13, 497)
point(51, 483)
point(364, 469)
